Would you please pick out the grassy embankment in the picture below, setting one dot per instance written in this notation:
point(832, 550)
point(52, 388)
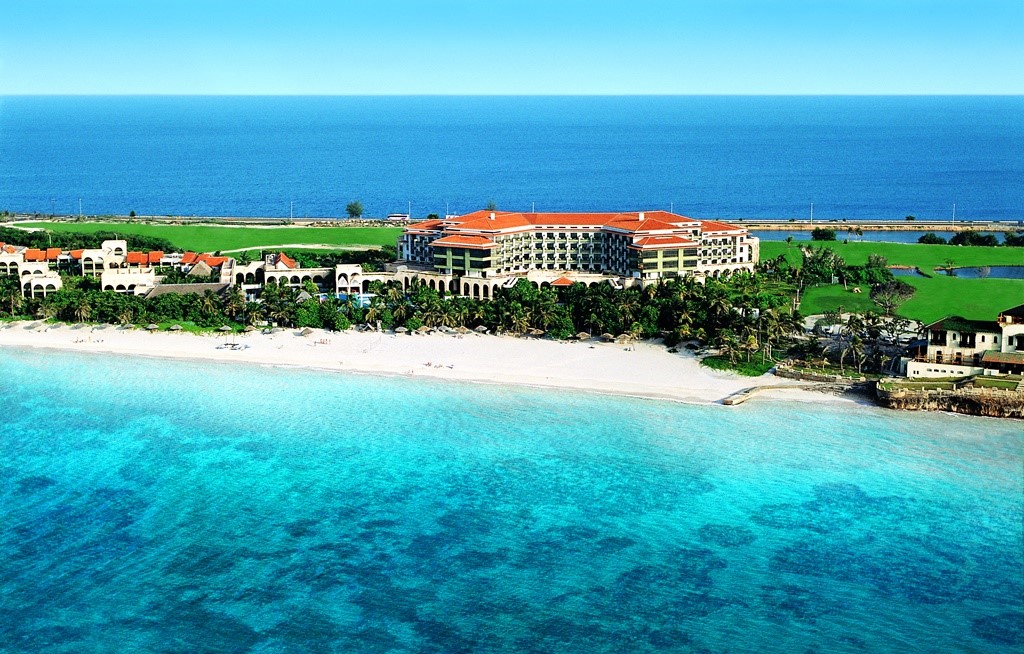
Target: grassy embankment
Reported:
point(937, 296)
point(206, 238)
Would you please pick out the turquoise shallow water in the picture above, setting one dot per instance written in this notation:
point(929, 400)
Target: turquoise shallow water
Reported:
point(166, 506)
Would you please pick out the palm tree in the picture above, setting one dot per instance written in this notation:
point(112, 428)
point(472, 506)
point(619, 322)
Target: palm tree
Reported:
point(728, 344)
point(46, 311)
point(234, 302)
point(519, 319)
point(210, 303)
point(83, 310)
point(11, 296)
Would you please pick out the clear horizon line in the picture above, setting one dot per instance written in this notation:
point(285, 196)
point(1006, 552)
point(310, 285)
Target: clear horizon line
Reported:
point(521, 95)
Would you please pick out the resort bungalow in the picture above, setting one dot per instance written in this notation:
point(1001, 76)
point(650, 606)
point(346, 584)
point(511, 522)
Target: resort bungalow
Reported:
point(957, 347)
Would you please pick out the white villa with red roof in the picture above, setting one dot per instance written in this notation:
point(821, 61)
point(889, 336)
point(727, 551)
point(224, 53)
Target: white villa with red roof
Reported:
point(474, 253)
point(34, 269)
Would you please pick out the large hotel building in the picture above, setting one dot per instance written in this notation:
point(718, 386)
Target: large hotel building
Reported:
point(474, 253)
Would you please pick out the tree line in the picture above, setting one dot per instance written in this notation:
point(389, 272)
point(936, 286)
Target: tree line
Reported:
point(1010, 239)
point(43, 239)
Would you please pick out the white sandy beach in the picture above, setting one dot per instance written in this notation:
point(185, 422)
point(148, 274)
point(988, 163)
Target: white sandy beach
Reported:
point(641, 369)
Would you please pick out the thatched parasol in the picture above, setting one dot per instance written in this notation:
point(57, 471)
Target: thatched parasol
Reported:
point(582, 336)
point(608, 337)
point(250, 329)
point(481, 330)
point(463, 330)
point(423, 329)
point(533, 331)
point(306, 332)
point(401, 330)
point(152, 327)
point(175, 328)
point(224, 329)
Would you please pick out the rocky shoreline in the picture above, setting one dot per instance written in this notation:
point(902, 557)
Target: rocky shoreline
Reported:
point(992, 403)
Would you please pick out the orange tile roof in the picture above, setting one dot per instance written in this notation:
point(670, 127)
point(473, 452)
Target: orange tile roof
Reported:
point(426, 224)
point(485, 223)
point(465, 241)
point(9, 249)
point(210, 260)
point(136, 258)
point(481, 220)
point(715, 226)
point(286, 261)
point(155, 256)
point(53, 253)
point(76, 254)
point(189, 257)
point(656, 242)
point(645, 225)
point(35, 254)
point(562, 281)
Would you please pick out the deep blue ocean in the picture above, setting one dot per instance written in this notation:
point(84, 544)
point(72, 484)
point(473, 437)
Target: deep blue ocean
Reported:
point(708, 157)
point(165, 506)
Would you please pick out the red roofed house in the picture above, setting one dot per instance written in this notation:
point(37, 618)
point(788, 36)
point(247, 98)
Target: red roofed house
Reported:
point(631, 248)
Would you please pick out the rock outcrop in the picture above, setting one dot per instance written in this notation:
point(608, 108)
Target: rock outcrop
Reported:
point(993, 403)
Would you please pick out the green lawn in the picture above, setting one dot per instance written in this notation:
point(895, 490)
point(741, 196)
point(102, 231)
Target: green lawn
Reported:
point(819, 299)
point(203, 238)
point(974, 299)
point(925, 257)
point(937, 297)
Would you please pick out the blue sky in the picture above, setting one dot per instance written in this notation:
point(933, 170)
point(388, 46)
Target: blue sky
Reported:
point(512, 47)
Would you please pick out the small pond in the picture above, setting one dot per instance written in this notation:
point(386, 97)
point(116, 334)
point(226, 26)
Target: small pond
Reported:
point(905, 272)
point(994, 272)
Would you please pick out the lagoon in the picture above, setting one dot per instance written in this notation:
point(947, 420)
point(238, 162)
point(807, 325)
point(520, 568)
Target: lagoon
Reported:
point(172, 506)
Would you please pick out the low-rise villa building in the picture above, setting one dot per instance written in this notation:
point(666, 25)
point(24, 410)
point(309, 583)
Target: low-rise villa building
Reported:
point(34, 269)
point(476, 253)
point(957, 347)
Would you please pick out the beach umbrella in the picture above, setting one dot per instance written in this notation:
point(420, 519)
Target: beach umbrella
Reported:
point(582, 336)
point(463, 329)
point(401, 330)
point(224, 329)
point(481, 330)
point(306, 332)
point(423, 329)
point(175, 328)
point(623, 337)
point(152, 327)
point(533, 331)
point(608, 337)
point(250, 329)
